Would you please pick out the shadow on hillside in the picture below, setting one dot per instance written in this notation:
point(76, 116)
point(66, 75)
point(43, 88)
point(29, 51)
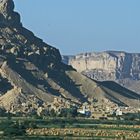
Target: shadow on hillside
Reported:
point(4, 85)
point(65, 82)
point(36, 81)
point(58, 76)
point(120, 89)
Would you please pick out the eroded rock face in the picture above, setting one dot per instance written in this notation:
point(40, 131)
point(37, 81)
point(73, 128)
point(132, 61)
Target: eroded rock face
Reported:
point(108, 65)
point(121, 67)
point(6, 6)
point(32, 74)
point(7, 15)
point(16, 41)
point(25, 60)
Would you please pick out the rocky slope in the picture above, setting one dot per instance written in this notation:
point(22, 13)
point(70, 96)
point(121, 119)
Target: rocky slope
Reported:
point(110, 65)
point(32, 75)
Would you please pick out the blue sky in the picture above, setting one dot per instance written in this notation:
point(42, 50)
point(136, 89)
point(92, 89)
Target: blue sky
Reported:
point(75, 26)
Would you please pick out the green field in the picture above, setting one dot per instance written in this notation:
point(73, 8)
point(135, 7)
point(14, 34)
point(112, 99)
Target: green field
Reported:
point(22, 128)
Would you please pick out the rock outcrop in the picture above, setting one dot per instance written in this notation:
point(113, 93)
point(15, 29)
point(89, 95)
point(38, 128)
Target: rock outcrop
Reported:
point(32, 74)
point(109, 65)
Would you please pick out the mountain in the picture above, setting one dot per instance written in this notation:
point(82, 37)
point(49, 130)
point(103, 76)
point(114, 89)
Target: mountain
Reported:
point(66, 58)
point(33, 77)
point(121, 67)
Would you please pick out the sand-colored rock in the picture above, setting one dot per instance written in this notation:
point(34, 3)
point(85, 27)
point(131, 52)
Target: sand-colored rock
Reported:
point(121, 67)
point(32, 75)
point(106, 65)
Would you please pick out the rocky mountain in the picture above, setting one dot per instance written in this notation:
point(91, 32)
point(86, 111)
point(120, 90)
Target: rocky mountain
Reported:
point(33, 77)
point(121, 67)
point(66, 58)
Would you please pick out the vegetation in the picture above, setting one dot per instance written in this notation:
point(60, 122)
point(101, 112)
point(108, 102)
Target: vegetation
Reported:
point(68, 112)
point(58, 128)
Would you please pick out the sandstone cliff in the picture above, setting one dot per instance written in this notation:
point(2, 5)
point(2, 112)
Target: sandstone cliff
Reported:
point(108, 65)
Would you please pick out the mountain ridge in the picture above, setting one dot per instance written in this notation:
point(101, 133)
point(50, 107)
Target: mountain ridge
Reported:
point(34, 77)
point(118, 66)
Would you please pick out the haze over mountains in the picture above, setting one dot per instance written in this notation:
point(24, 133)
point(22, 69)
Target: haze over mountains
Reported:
point(32, 74)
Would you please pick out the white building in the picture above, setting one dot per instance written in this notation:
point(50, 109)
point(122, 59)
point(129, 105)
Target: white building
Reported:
point(118, 112)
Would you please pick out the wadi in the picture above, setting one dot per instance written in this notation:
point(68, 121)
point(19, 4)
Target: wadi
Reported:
point(34, 82)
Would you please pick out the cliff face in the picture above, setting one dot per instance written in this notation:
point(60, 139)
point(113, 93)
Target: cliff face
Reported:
point(16, 41)
point(108, 65)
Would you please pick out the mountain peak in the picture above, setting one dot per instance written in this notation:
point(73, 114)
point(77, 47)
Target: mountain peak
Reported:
point(7, 15)
point(6, 6)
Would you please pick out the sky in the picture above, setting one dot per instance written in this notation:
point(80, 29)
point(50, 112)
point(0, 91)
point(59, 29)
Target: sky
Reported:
point(75, 26)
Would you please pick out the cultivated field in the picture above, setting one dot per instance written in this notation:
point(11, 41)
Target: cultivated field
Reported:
point(68, 129)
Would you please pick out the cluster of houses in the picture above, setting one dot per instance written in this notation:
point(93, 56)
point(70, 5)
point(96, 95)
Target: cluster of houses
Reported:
point(96, 110)
point(99, 110)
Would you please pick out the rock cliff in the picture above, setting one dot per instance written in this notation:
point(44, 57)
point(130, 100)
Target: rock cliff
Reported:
point(109, 65)
point(120, 67)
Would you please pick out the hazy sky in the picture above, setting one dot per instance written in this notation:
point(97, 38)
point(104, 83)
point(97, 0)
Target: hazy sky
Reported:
point(75, 26)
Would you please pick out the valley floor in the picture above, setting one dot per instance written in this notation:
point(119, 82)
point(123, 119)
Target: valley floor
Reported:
point(21, 128)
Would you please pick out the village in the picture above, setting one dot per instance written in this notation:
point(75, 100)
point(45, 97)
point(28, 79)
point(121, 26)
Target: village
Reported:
point(95, 110)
